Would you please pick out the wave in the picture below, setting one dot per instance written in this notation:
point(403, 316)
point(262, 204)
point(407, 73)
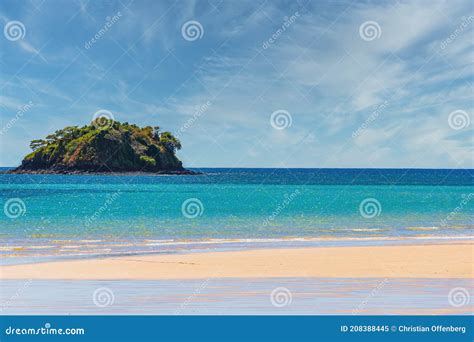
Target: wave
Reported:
point(216, 241)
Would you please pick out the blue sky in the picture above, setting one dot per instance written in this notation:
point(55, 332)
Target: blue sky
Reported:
point(398, 94)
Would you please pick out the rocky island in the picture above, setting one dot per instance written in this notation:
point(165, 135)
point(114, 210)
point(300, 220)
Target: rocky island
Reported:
point(105, 146)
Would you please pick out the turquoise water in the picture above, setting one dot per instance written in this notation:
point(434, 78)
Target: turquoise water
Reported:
point(241, 204)
point(249, 204)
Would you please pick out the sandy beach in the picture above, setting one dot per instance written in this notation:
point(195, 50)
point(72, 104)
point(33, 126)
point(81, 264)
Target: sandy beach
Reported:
point(414, 261)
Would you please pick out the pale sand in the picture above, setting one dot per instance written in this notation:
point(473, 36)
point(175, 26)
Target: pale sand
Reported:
point(420, 261)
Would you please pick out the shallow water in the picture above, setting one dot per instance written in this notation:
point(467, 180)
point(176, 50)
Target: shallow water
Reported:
point(278, 296)
point(64, 215)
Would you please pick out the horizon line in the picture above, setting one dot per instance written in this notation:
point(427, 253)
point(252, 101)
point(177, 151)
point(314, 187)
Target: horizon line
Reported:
point(312, 168)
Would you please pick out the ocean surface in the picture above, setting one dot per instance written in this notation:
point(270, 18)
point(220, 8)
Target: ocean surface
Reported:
point(79, 215)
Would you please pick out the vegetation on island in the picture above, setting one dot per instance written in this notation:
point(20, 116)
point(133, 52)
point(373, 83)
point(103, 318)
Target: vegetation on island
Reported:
point(104, 145)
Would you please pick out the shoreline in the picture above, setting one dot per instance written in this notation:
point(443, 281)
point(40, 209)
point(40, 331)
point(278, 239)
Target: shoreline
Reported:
point(184, 241)
point(451, 260)
point(51, 249)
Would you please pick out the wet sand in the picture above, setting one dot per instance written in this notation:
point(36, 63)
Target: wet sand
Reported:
point(413, 261)
point(235, 296)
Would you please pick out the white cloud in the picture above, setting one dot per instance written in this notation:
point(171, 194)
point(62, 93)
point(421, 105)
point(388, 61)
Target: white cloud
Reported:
point(323, 73)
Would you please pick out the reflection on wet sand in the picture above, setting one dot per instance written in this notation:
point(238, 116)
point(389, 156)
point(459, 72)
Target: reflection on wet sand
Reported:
point(267, 296)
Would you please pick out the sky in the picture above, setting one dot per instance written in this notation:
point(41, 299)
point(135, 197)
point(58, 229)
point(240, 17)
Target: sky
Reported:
point(248, 83)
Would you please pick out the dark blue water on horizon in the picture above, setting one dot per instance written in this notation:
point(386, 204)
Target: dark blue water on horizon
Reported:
point(304, 176)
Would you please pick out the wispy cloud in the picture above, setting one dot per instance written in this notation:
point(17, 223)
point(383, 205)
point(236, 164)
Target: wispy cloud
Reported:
point(319, 69)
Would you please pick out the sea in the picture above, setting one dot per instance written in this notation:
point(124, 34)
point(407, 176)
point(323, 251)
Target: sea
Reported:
point(76, 216)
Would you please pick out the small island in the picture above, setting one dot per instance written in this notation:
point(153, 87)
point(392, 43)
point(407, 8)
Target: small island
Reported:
point(104, 147)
